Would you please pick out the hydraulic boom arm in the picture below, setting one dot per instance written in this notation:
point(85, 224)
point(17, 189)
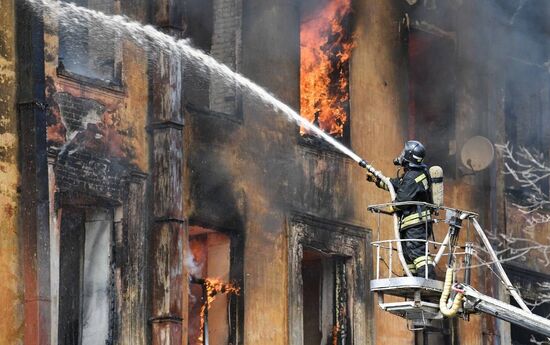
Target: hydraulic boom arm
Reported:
point(477, 301)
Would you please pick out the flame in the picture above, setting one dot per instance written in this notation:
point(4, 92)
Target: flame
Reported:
point(213, 288)
point(335, 331)
point(325, 49)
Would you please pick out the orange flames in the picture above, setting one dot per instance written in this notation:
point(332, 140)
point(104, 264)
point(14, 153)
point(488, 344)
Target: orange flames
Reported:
point(326, 43)
point(213, 288)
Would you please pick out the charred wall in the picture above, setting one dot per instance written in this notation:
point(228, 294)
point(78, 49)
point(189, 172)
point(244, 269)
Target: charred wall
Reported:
point(249, 171)
point(99, 160)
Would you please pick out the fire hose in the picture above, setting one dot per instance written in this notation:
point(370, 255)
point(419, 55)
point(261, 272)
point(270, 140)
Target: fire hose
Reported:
point(443, 301)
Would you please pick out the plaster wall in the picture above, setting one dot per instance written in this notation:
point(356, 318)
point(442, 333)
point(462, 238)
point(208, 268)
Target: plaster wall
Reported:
point(11, 291)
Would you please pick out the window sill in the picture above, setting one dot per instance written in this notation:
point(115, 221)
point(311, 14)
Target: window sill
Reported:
point(319, 145)
point(111, 86)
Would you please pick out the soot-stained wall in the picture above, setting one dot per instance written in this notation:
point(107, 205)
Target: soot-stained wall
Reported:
point(251, 172)
point(98, 148)
point(247, 171)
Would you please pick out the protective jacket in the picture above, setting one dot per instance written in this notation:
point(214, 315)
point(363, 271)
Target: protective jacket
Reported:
point(414, 185)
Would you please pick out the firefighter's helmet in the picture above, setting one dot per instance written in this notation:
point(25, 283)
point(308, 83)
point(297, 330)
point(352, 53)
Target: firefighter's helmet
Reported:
point(412, 155)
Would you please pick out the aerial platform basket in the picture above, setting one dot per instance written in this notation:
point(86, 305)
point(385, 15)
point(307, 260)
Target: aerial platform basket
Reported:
point(417, 298)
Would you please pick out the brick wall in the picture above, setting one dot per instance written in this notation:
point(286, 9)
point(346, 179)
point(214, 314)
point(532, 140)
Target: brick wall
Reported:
point(85, 173)
point(77, 112)
point(226, 45)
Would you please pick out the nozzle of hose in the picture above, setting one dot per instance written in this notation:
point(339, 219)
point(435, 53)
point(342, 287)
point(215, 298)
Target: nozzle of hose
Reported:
point(363, 163)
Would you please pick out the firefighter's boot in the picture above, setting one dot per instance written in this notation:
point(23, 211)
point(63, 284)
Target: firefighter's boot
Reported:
point(421, 272)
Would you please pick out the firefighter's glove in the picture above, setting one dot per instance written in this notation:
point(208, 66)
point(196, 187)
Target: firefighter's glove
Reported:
point(371, 177)
point(377, 181)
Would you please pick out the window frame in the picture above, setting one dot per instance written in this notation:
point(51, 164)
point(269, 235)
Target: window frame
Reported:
point(236, 268)
point(115, 84)
point(346, 139)
point(340, 240)
point(81, 212)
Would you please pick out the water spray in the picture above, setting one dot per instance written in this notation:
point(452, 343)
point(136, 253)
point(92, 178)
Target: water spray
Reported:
point(147, 37)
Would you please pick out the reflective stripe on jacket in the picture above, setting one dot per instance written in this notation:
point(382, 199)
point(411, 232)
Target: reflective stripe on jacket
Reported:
point(414, 185)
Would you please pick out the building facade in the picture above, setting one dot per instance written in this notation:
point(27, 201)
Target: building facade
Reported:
point(145, 201)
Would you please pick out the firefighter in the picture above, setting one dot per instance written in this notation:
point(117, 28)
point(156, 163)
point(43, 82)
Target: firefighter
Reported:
point(414, 220)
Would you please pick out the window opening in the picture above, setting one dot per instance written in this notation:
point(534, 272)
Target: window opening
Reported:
point(85, 281)
point(325, 299)
point(525, 120)
point(210, 290)
point(199, 22)
point(199, 27)
point(90, 51)
point(326, 42)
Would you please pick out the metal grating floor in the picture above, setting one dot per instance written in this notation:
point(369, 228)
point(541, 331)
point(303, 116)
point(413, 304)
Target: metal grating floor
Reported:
point(407, 286)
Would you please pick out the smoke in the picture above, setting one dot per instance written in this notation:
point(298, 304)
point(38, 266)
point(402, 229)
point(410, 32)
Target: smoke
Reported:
point(193, 268)
point(470, 60)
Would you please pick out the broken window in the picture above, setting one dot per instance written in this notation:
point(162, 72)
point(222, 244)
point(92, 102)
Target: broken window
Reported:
point(432, 96)
point(85, 278)
point(199, 28)
point(325, 300)
point(210, 289)
point(326, 42)
point(217, 32)
point(90, 51)
point(526, 96)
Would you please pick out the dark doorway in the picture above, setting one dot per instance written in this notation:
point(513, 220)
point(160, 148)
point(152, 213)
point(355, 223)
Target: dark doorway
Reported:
point(325, 313)
point(85, 279)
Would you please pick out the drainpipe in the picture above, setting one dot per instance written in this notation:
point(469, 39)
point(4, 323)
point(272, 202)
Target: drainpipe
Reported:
point(168, 236)
point(33, 165)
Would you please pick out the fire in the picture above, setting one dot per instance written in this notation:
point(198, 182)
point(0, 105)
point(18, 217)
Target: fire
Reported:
point(326, 44)
point(335, 333)
point(213, 287)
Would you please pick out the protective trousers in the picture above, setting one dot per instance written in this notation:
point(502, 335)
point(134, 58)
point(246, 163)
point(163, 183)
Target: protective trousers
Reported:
point(415, 251)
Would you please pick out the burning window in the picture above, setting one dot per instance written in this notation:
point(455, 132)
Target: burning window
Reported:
point(210, 290)
point(326, 42)
point(90, 51)
point(325, 299)
point(85, 277)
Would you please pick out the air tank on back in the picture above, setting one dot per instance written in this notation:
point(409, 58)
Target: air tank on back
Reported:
point(436, 174)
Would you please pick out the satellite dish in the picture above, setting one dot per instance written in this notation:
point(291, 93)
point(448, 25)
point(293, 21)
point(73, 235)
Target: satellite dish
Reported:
point(477, 153)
